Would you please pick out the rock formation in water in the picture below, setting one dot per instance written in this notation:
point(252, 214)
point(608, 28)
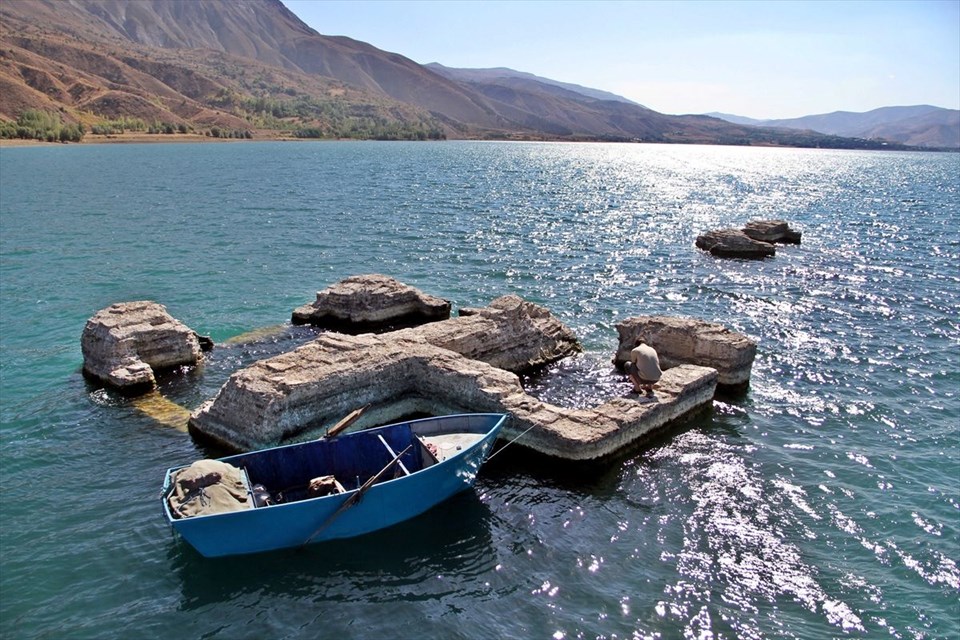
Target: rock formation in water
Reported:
point(125, 344)
point(297, 395)
point(371, 302)
point(772, 231)
point(468, 364)
point(755, 240)
point(734, 243)
point(463, 364)
point(690, 341)
point(336, 372)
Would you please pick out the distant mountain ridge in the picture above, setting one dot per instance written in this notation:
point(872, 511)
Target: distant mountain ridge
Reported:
point(502, 73)
point(918, 125)
point(252, 64)
point(735, 119)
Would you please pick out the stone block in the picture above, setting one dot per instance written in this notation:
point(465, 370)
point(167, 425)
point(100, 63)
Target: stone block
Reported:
point(125, 345)
point(690, 341)
point(734, 243)
point(369, 303)
point(772, 231)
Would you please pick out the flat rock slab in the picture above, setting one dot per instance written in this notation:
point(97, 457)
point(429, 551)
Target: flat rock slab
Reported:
point(690, 341)
point(298, 395)
point(591, 434)
point(125, 344)
point(772, 231)
point(370, 302)
point(734, 243)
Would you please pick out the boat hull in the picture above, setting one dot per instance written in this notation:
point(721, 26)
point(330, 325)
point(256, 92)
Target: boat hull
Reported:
point(313, 520)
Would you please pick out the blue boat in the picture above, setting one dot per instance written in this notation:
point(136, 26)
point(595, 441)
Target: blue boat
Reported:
point(333, 487)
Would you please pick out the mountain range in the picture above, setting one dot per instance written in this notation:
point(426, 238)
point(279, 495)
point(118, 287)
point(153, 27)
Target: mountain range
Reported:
point(253, 66)
point(919, 126)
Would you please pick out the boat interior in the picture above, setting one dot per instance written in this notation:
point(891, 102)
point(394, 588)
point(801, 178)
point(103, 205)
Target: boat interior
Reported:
point(284, 474)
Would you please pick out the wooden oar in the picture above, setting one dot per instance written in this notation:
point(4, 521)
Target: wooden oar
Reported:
point(355, 498)
point(348, 420)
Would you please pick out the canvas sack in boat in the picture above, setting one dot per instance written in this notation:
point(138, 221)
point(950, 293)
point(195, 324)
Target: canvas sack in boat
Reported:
point(208, 486)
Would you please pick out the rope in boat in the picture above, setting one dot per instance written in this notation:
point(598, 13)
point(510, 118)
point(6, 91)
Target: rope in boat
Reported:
point(497, 452)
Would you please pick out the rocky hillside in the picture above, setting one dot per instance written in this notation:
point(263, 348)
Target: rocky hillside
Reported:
point(252, 66)
point(100, 63)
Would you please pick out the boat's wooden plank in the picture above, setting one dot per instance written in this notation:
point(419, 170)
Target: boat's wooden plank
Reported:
point(349, 419)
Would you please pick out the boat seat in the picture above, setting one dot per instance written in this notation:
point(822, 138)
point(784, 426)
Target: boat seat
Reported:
point(393, 455)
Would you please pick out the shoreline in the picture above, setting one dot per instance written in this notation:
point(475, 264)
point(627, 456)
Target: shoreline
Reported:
point(270, 136)
point(143, 138)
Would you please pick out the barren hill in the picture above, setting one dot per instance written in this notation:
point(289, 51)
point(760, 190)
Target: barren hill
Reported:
point(100, 60)
point(253, 65)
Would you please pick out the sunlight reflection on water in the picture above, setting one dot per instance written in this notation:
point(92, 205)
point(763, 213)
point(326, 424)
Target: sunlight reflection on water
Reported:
point(821, 502)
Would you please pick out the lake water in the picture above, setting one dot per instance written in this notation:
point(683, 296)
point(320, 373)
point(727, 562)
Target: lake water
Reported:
point(825, 502)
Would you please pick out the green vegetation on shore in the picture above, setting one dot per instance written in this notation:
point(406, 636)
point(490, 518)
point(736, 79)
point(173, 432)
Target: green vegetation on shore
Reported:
point(310, 117)
point(34, 124)
point(300, 118)
point(124, 124)
point(44, 126)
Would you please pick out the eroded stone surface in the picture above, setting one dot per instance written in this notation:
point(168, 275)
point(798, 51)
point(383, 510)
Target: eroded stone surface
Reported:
point(772, 231)
point(126, 343)
point(511, 334)
point(588, 434)
point(690, 341)
point(734, 243)
point(369, 302)
point(297, 395)
point(463, 364)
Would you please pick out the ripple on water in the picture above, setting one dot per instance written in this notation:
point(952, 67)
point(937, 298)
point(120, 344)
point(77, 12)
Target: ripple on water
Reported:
point(822, 502)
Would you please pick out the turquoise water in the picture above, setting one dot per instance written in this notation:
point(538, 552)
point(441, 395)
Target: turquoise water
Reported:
point(823, 503)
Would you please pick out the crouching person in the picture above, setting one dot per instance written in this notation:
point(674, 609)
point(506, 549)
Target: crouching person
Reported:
point(643, 368)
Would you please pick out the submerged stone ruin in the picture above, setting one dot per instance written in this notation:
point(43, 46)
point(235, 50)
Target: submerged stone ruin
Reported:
point(126, 344)
point(298, 395)
point(755, 240)
point(467, 363)
point(463, 364)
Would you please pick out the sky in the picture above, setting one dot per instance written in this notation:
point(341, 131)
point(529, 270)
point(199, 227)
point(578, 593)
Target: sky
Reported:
point(755, 58)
